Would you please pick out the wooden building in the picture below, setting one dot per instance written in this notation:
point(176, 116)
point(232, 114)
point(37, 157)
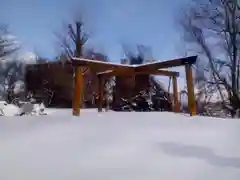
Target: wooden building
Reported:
point(53, 83)
point(105, 70)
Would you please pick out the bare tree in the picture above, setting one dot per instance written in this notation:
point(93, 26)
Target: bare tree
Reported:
point(73, 41)
point(10, 71)
point(8, 43)
point(212, 28)
point(73, 45)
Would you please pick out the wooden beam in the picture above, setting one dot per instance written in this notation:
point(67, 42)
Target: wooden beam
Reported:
point(78, 85)
point(159, 72)
point(117, 72)
point(95, 63)
point(138, 68)
point(123, 72)
point(101, 92)
point(190, 87)
point(167, 64)
point(176, 103)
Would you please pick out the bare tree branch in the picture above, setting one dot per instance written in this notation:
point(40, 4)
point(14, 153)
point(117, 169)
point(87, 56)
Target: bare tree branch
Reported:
point(8, 44)
point(211, 24)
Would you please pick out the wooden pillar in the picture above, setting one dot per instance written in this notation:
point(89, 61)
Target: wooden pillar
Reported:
point(100, 92)
point(78, 85)
point(190, 88)
point(175, 95)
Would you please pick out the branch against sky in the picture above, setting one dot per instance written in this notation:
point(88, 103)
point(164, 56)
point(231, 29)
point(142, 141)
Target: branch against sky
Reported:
point(8, 43)
point(73, 44)
point(73, 39)
point(212, 29)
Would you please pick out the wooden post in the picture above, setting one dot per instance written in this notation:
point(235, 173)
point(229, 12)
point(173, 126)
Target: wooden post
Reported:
point(78, 85)
point(100, 92)
point(175, 95)
point(190, 88)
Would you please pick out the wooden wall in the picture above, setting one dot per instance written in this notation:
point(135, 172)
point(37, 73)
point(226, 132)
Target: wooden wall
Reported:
point(60, 80)
point(56, 77)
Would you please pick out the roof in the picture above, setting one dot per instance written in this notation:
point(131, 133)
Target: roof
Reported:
point(147, 68)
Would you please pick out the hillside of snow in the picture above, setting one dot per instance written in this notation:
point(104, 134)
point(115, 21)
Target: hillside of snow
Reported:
point(111, 145)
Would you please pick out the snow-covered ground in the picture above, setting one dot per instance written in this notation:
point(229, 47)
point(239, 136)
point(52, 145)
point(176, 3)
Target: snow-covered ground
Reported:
point(122, 146)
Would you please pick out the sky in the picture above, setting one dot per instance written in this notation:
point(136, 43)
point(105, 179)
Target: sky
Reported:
point(110, 23)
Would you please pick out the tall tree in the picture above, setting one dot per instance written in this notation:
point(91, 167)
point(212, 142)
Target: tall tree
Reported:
point(212, 28)
point(73, 41)
point(73, 45)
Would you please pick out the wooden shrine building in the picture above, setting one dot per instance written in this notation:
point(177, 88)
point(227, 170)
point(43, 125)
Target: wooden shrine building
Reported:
point(106, 69)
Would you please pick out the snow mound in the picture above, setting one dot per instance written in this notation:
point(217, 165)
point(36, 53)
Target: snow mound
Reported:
point(10, 110)
point(24, 109)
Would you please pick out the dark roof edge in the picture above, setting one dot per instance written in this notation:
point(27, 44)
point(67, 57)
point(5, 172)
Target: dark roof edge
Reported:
point(189, 60)
point(176, 74)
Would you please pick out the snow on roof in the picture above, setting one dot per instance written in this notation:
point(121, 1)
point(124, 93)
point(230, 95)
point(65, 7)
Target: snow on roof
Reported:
point(191, 58)
point(112, 145)
point(101, 62)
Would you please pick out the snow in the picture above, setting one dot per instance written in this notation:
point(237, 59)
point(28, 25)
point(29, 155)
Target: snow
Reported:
point(28, 108)
point(114, 145)
point(10, 110)
point(101, 62)
point(127, 65)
